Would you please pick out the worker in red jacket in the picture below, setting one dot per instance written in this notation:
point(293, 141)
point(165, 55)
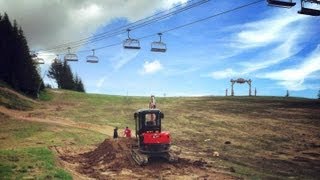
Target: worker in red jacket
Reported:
point(127, 132)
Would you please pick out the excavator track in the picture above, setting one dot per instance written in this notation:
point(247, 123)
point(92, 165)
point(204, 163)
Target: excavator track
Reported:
point(138, 157)
point(171, 157)
point(142, 159)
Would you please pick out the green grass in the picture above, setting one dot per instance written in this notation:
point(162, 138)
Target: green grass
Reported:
point(45, 95)
point(12, 101)
point(15, 133)
point(266, 133)
point(24, 152)
point(36, 163)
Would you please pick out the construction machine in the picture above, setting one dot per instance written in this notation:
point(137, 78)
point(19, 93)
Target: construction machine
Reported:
point(151, 140)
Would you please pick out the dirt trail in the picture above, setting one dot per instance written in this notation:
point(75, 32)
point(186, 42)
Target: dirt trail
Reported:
point(27, 116)
point(17, 94)
point(111, 160)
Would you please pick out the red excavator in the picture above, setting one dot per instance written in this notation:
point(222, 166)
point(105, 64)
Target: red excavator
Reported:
point(151, 140)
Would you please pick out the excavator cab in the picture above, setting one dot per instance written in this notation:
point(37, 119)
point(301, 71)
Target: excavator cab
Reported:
point(148, 120)
point(151, 140)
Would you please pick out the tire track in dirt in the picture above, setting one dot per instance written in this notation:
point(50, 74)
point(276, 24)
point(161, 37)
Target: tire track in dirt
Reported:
point(111, 160)
point(18, 94)
point(26, 116)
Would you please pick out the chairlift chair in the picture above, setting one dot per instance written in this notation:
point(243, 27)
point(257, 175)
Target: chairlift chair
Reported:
point(309, 11)
point(281, 3)
point(158, 46)
point(92, 58)
point(131, 43)
point(70, 57)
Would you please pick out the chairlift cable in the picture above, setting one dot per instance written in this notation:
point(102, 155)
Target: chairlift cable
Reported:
point(212, 16)
point(115, 28)
point(184, 25)
point(120, 30)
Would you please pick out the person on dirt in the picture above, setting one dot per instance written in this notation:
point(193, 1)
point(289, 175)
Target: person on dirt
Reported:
point(115, 133)
point(127, 132)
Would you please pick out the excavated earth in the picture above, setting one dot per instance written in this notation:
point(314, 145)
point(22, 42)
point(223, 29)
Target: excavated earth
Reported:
point(112, 160)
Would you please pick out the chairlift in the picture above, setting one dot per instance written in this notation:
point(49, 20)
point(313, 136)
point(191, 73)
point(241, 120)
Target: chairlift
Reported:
point(70, 57)
point(281, 3)
point(309, 11)
point(92, 58)
point(131, 43)
point(158, 46)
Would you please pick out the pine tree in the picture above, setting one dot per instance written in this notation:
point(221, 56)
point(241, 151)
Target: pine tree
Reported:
point(6, 34)
point(61, 72)
point(67, 77)
point(81, 86)
point(55, 72)
point(25, 69)
point(319, 94)
point(78, 85)
point(16, 66)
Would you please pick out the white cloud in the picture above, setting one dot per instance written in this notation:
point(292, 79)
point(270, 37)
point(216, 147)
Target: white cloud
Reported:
point(122, 58)
point(276, 39)
point(293, 78)
point(50, 23)
point(227, 73)
point(101, 81)
point(279, 53)
point(151, 67)
point(266, 31)
point(47, 57)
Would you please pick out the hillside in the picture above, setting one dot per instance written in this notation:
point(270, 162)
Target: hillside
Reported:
point(256, 137)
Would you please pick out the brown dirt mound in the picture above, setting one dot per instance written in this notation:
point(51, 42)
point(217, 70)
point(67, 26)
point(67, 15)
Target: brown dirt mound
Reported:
point(112, 159)
point(109, 155)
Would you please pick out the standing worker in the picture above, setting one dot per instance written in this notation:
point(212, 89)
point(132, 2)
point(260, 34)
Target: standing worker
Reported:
point(115, 133)
point(127, 132)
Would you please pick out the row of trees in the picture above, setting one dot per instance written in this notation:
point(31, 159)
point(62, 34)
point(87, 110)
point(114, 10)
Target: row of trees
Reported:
point(16, 66)
point(61, 72)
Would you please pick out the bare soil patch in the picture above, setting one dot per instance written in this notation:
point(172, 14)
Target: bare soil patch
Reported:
point(112, 160)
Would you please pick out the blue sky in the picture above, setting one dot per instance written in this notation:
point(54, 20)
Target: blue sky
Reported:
point(277, 48)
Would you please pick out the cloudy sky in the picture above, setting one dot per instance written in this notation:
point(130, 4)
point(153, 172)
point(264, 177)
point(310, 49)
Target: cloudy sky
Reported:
point(277, 48)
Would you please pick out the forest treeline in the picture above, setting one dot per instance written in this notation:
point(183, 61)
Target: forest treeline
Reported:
point(18, 68)
point(61, 72)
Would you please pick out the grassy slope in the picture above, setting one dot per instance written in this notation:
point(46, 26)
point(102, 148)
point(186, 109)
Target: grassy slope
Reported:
point(25, 146)
point(12, 101)
point(267, 134)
